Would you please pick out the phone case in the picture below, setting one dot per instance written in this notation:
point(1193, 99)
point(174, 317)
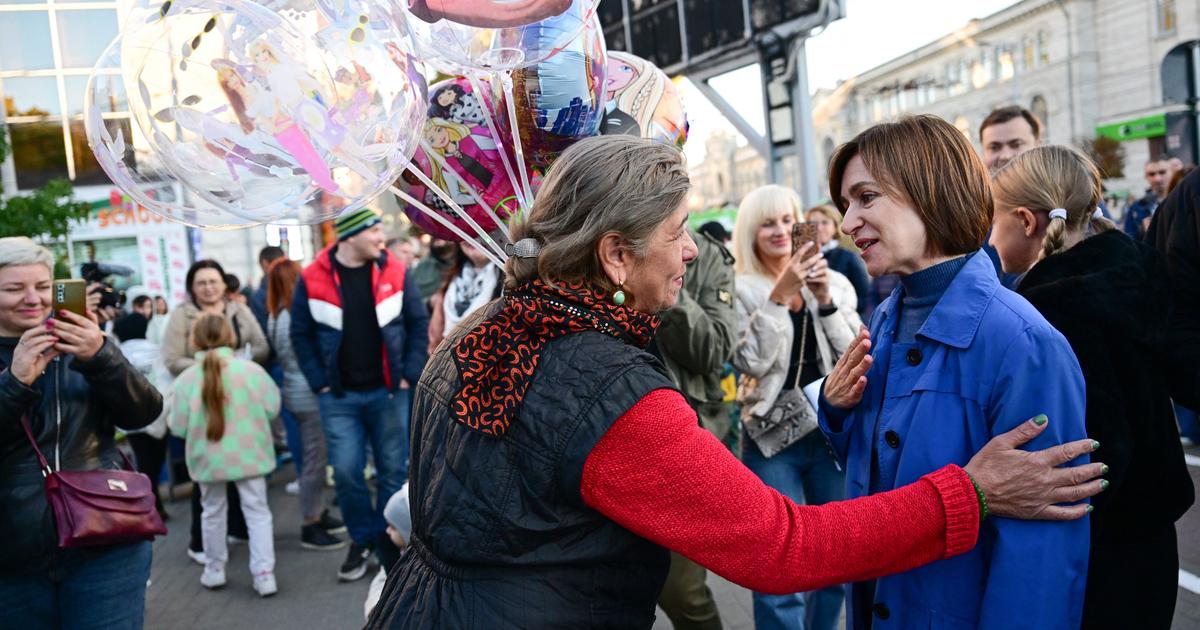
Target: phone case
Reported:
point(70, 295)
point(803, 232)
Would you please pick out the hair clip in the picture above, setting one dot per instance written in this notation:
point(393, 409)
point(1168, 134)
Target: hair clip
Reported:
point(524, 248)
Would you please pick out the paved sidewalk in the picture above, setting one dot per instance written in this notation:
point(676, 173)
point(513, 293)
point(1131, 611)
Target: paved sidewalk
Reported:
point(310, 597)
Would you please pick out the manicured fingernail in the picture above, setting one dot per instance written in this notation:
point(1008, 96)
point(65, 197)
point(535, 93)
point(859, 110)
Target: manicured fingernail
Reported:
point(1095, 445)
point(1040, 419)
point(1090, 508)
point(1103, 469)
point(1103, 484)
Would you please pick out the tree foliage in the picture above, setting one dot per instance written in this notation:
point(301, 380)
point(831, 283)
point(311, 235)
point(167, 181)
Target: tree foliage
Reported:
point(46, 212)
point(1108, 155)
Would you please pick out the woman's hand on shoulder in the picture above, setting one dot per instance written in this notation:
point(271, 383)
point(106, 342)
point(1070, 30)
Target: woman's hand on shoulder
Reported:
point(1031, 485)
point(845, 385)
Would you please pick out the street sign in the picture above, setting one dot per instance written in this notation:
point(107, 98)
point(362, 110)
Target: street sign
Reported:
point(1148, 127)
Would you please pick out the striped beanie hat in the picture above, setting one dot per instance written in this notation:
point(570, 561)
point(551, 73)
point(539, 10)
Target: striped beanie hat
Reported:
point(351, 223)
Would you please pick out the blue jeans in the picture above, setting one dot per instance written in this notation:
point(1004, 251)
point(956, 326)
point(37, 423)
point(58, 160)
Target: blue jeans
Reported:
point(102, 587)
point(351, 422)
point(806, 473)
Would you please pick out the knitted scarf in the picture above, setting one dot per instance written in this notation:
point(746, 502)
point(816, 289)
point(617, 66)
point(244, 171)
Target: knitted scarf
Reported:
point(497, 360)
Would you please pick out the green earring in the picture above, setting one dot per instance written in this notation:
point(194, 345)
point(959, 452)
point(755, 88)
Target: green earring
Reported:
point(618, 298)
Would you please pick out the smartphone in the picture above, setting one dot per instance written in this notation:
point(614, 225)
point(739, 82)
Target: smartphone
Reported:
point(803, 232)
point(70, 295)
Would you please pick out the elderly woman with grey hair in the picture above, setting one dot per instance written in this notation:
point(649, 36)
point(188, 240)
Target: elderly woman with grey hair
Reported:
point(74, 388)
point(554, 463)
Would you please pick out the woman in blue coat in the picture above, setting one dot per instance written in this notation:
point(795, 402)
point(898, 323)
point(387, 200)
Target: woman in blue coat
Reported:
point(954, 360)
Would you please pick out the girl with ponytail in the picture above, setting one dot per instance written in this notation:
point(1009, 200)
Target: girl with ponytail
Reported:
point(223, 410)
point(1108, 296)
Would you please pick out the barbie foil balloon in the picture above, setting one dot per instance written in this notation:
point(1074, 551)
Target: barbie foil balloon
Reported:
point(127, 159)
point(495, 35)
point(289, 115)
point(561, 99)
point(461, 156)
point(641, 100)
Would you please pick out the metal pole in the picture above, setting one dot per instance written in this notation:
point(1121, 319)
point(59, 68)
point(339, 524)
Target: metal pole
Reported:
point(803, 135)
point(773, 174)
point(1195, 99)
point(734, 117)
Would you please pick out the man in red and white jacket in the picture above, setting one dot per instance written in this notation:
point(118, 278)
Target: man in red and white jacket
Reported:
point(359, 330)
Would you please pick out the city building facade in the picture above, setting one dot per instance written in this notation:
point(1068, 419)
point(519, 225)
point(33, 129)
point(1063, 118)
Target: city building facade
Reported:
point(1086, 68)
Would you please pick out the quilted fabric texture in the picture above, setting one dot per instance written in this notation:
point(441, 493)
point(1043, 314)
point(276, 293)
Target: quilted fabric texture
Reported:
point(252, 400)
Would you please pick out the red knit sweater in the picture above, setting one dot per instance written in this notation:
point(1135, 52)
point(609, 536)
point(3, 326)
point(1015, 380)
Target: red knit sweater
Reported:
point(661, 476)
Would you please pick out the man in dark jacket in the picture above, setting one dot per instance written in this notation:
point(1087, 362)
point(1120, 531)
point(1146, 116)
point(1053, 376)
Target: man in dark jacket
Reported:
point(359, 328)
point(1138, 215)
point(1175, 232)
point(695, 340)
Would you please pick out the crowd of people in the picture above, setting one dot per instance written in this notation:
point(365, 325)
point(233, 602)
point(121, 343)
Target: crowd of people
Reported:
point(915, 426)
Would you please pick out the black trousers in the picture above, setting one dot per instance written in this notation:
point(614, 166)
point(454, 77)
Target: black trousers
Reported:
point(149, 454)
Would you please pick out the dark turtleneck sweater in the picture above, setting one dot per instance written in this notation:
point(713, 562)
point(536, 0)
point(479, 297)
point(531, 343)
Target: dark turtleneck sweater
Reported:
point(922, 290)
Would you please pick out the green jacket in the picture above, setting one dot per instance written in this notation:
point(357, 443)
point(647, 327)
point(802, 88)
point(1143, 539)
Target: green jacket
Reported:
point(698, 334)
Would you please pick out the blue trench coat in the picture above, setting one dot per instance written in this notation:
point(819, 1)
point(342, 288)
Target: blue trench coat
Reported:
point(984, 362)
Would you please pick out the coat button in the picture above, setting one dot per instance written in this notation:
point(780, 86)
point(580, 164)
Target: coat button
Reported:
point(913, 357)
point(881, 611)
point(892, 438)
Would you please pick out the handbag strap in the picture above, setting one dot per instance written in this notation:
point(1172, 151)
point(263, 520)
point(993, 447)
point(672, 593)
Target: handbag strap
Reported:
point(803, 342)
point(45, 465)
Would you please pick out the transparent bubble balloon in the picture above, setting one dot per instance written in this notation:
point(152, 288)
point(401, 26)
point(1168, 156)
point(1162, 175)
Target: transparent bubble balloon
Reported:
point(494, 35)
point(295, 115)
point(126, 157)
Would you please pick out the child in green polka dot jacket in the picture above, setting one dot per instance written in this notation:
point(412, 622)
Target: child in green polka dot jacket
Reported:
point(222, 409)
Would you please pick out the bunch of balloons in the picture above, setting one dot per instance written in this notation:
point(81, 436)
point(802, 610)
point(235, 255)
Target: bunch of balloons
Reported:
point(298, 110)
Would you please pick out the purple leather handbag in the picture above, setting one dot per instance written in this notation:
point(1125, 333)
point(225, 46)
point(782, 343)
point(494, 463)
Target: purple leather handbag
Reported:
point(99, 507)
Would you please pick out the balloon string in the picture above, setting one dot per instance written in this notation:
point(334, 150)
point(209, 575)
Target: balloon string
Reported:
point(364, 171)
point(505, 79)
point(437, 157)
point(483, 234)
point(437, 216)
point(491, 125)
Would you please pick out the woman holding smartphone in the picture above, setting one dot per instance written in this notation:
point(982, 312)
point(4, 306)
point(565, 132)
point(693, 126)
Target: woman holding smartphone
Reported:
point(795, 318)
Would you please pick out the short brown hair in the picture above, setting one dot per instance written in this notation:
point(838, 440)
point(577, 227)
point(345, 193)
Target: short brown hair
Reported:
point(1001, 115)
point(926, 162)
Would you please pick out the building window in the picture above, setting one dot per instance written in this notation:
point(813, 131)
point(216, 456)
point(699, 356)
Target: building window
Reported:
point(1027, 52)
point(1007, 65)
point(45, 59)
point(1037, 106)
point(1043, 48)
point(1167, 18)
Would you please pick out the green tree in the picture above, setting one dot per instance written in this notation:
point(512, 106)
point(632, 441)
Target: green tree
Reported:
point(47, 212)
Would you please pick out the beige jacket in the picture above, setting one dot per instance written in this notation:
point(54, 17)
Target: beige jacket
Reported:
point(178, 353)
point(765, 336)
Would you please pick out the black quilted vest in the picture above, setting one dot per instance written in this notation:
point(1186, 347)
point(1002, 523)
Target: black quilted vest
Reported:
point(501, 537)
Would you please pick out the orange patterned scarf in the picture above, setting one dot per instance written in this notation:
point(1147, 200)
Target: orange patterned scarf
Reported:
point(498, 358)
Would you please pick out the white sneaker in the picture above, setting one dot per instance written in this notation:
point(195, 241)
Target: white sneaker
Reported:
point(212, 579)
point(264, 585)
point(292, 488)
point(197, 556)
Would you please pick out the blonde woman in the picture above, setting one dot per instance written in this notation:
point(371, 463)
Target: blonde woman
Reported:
point(1109, 296)
point(796, 317)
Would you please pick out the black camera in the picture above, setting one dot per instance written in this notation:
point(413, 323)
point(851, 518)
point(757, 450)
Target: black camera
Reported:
point(93, 272)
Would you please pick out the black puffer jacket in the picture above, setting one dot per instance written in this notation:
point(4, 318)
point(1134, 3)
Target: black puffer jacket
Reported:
point(501, 536)
point(77, 406)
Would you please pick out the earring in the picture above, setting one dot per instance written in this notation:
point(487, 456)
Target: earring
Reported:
point(618, 297)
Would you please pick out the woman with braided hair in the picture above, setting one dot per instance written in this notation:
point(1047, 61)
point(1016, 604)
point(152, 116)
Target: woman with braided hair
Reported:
point(1109, 296)
point(554, 463)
